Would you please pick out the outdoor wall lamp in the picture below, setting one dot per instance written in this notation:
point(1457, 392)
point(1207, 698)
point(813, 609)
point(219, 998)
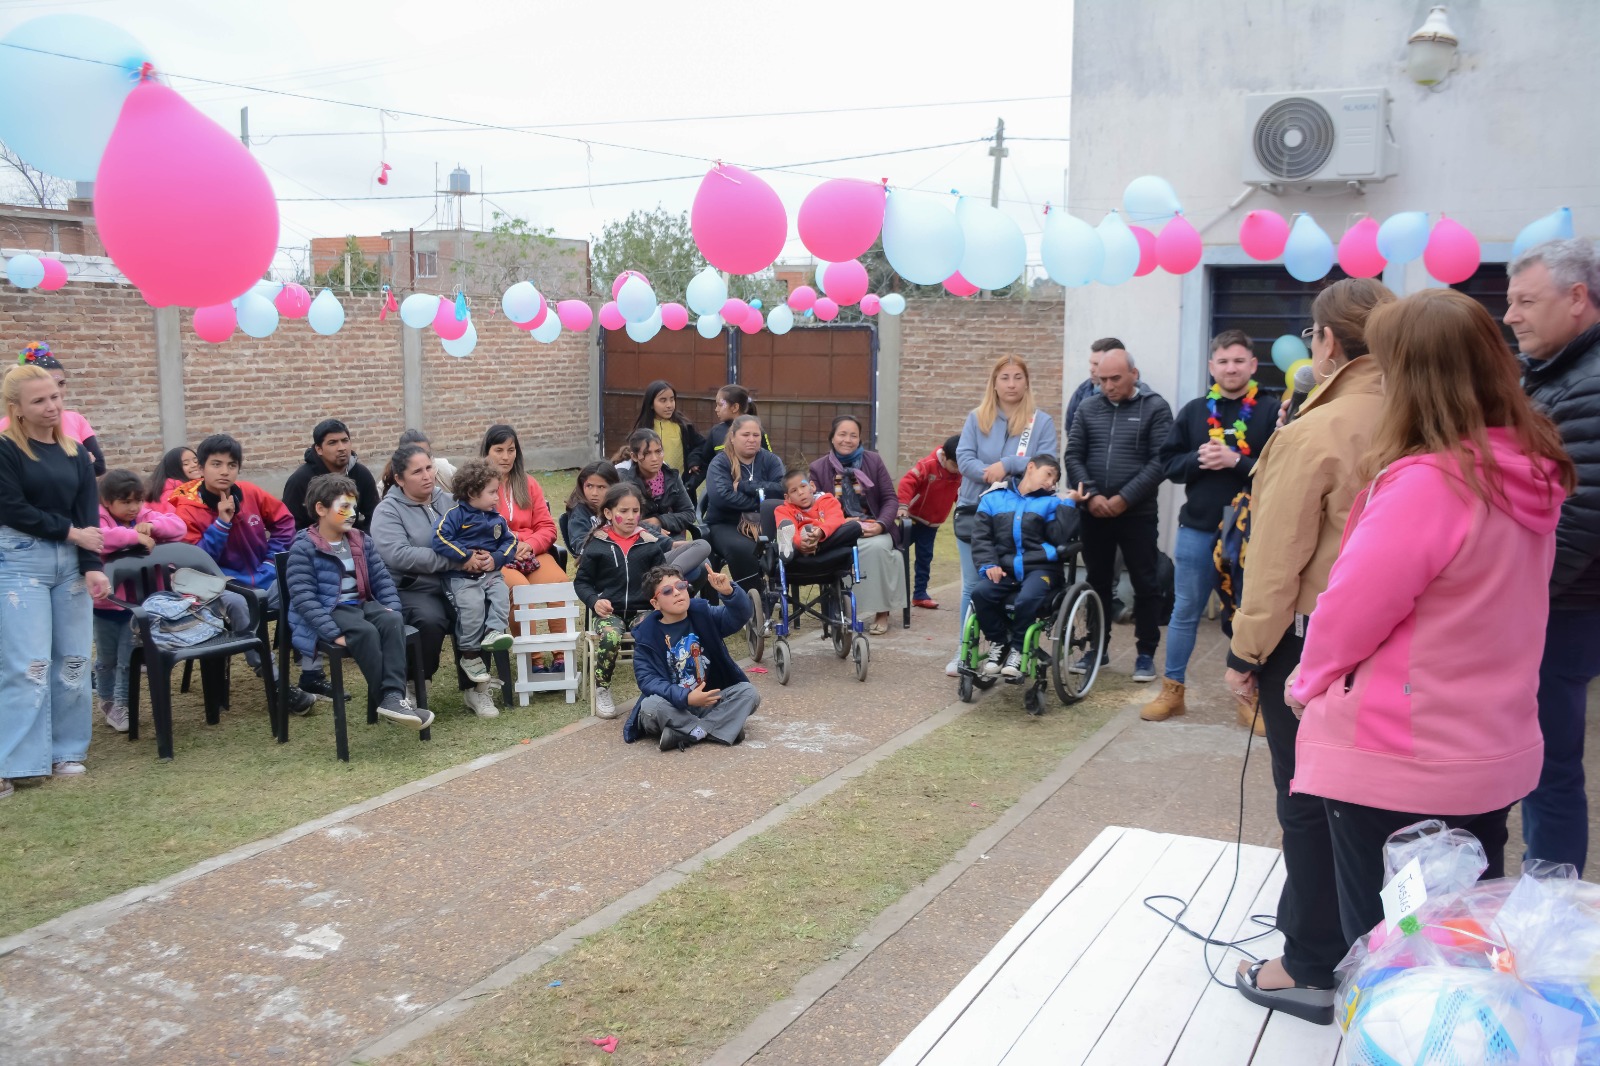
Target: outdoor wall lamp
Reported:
point(1431, 51)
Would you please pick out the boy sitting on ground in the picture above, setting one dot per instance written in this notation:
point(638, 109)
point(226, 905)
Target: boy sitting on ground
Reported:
point(689, 686)
point(482, 602)
point(1016, 543)
point(807, 522)
point(341, 593)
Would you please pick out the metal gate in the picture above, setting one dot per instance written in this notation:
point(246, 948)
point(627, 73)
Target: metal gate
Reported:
point(800, 381)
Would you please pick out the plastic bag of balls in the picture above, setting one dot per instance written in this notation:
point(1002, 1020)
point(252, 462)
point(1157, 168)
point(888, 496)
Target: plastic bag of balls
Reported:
point(1504, 971)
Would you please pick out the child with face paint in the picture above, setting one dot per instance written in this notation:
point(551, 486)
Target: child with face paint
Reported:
point(471, 532)
point(341, 593)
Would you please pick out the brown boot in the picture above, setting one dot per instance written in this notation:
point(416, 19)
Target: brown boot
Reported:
point(1248, 716)
point(1167, 705)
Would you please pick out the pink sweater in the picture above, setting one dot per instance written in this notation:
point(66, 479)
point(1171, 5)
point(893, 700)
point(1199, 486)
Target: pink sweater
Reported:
point(1420, 674)
point(114, 536)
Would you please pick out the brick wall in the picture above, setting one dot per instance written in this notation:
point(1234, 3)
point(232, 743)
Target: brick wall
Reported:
point(947, 347)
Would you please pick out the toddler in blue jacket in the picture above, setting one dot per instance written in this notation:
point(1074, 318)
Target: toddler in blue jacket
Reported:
point(473, 534)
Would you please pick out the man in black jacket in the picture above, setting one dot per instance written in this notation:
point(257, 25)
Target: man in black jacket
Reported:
point(1210, 451)
point(1554, 299)
point(1114, 452)
point(331, 453)
point(1097, 352)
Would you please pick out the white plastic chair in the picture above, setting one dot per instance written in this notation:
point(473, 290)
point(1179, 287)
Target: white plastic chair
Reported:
point(548, 603)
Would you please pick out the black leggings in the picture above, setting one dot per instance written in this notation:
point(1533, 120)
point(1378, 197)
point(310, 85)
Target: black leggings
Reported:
point(742, 555)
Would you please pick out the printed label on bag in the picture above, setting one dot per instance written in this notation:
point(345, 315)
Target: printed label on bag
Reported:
point(1404, 894)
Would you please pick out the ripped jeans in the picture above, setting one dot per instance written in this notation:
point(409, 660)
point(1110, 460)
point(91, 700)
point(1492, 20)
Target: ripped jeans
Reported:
point(46, 705)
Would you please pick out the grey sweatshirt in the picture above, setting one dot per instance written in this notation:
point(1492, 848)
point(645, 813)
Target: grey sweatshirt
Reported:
point(978, 449)
point(402, 531)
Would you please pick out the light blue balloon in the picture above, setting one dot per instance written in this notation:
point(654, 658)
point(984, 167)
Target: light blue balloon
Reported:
point(1071, 249)
point(756, 304)
point(419, 309)
point(994, 251)
point(821, 284)
point(706, 294)
point(1121, 250)
point(921, 238)
point(327, 314)
point(1308, 255)
point(780, 320)
point(643, 331)
point(58, 113)
point(891, 304)
point(461, 307)
point(1402, 237)
point(1556, 226)
point(1150, 199)
point(520, 303)
point(25, 271)
point(547, 331)
point(636, 301)
point(708, 326)
point(1288, 350)
point(463, 345)
point(257, 316)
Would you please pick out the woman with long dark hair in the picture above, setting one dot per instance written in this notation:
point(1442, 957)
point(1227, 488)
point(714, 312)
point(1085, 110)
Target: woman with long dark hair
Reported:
point(735, 483)
point(178, 466)
point(866, 491)
point(582, 516)
point(523, 506)
point(680, 441)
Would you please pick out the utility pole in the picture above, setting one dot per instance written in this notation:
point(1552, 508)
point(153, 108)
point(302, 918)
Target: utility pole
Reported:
point(999, 151)
point(244, 126)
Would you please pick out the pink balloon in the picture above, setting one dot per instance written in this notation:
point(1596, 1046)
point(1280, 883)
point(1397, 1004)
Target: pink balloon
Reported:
point(840, 219)
point(293, 301)
point(738, 222)
point(802, 299)
point(616, 286)
point(445, 323)
point(674, 316)
point(1178, 246)
point(1263, 234)
point(735, 310)
point(826, 310)
point(1147, 250)
point(55, 274)
point(610, 317)
point(1358, 250)
point(537, 320)
point(956, 285)
point(1452, 254)
point(181, 206)
point(846, 282)
point(869, 304)
point(752, 321)
point(575, 315)
point(215, 324)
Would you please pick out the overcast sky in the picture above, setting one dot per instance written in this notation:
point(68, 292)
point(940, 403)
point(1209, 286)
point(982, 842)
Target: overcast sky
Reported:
point(601, 71)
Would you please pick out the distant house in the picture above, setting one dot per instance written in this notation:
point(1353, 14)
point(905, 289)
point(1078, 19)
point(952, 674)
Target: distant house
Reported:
point(441, 259)
point(67, 234)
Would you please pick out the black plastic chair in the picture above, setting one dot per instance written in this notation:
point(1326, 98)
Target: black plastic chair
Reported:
point(132, 581)
point(336, 656)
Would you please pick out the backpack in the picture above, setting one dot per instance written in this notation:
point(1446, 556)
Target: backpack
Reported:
point(1229, 557)
point(191, 613)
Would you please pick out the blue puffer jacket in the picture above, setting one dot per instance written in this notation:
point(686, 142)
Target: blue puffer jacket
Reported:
point(314, 577)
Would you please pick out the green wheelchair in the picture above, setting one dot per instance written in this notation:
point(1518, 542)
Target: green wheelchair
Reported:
point(1064, 647)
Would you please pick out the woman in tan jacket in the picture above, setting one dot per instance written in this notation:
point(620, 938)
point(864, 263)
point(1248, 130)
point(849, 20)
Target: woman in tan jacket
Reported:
point(1304, 484)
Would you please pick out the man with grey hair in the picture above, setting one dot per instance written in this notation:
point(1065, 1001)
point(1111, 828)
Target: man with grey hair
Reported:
point(1554, 310)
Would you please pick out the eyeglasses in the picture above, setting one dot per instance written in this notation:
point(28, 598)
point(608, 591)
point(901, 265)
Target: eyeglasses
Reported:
point(675, 586)
point(1309, 332)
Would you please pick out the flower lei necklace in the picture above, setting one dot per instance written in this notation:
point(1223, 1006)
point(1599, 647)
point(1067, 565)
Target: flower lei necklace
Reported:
point(1240, 424)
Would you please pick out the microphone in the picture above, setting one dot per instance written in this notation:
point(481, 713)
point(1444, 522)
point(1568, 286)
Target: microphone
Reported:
point(1305, 379)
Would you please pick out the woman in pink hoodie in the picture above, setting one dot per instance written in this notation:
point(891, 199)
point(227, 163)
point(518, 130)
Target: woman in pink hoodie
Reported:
point(1419, 680)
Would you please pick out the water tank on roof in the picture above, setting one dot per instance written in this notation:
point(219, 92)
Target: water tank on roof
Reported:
point(460, 181)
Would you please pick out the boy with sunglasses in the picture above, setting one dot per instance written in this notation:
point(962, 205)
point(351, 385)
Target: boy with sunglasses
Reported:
point(690, 689)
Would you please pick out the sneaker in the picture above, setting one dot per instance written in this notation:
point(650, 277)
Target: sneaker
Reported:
point(1013, 666)
point(68, 769)
point(925, 603)
point(480, 702)
point(1082, 665)
point(672, 740)
point(786, 540)
point(116, 716)
point(953, 667)
point(494, 640)
point(397, 708)
point(740, 738)
point(475, 670)
point(1144, 668)
point(604, 705)
point(316, 682)
point(991, 665)
point(301, 702)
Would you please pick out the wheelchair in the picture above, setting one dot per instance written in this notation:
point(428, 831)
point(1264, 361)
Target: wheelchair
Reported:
point(1070, 632)
point(834, 574)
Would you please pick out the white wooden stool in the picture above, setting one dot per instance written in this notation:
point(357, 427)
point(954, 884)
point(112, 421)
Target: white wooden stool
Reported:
point(531, 603)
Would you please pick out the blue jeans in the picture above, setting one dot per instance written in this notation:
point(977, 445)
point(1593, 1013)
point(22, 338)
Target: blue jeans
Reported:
point(46, 709)
point(1555, 815)
point(1195, 579)
point(113, 650)
point(922, 538)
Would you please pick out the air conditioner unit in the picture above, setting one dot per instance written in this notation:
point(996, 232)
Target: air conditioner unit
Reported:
point(1335, 137)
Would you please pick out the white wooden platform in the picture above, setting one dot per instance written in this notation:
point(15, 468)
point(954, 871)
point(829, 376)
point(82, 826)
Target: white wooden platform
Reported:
point(1090, 975)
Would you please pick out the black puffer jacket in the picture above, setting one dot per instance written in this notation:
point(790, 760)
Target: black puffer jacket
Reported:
point(606, 572)
point(675, 507)
point(1567, 388)
point(1114, 449)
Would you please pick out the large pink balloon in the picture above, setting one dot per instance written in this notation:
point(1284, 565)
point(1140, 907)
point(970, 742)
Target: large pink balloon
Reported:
point(802, 299)
point(215, 324)
point(616, 286)
point(55, 274)
point(293, 301)
point(674, 316)
point(752, 321)
point(735, 310)
point(1358, 250)
point(840, 219)
point(870, 304)
point(575, 315)
point(537, 320)
point(1147, 250)
point(1452, 254)
point(955, 285)
point(182, 207)
point(1178, 246)
point(1263, 234)
point(738, 222)
point(846, 282)
point(445, 323)
point(610, 317)
point(826, 310)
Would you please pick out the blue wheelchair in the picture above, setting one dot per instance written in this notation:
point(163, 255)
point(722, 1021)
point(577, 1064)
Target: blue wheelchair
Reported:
point(834, 575)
